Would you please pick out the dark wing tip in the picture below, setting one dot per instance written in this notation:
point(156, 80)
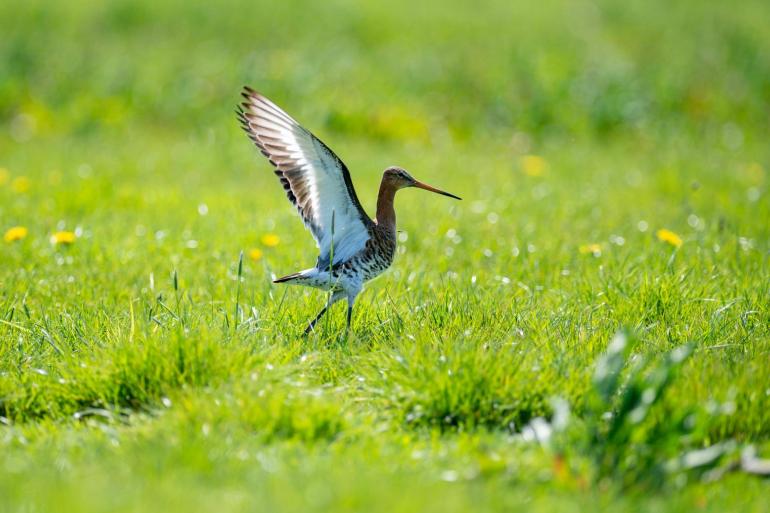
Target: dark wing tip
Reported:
point(252, 95)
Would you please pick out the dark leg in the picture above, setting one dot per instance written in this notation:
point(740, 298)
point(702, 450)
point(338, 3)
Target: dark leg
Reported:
point(314, 321)
point(351, 300)
point(333, 299)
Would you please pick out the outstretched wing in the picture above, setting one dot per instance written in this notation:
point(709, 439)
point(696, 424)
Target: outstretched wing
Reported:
point(314, 178)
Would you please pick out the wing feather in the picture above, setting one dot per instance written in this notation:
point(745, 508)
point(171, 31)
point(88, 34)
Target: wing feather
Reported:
point(316, 181)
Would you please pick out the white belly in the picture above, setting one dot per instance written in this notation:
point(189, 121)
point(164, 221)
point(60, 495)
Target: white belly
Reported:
point(324, 280)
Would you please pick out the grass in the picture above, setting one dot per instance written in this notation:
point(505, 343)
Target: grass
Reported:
point(146, 366)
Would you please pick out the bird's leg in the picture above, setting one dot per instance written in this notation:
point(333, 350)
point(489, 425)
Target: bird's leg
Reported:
point(333, 299)
point(312, 323)
point(351, 300)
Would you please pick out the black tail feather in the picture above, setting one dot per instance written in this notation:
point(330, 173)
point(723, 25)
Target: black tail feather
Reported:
point(286, 278)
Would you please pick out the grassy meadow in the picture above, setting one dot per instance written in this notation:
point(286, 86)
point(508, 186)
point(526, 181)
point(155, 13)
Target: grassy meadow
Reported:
point(589, 329)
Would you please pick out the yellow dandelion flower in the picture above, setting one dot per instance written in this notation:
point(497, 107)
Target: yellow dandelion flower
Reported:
point(669, 237)
point(4, 176)
point(533, 165)
point(63, 237)
point(20, 184)
point(255, 254)
point(591, 249)
point(15, 233)
point(270, 240)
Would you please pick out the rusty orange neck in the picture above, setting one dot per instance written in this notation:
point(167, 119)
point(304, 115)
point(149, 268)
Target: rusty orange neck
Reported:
point(386, 214)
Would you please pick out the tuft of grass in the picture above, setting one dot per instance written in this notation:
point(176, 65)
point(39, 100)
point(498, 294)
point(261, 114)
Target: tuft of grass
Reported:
point(628, 434)
point(134, 375)
point(268, 406)
point(465, 386)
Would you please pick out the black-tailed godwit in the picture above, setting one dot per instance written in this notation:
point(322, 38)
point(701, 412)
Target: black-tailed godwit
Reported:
point(353, 248)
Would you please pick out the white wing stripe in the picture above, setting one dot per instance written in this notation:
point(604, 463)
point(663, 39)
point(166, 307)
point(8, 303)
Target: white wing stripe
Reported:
point(315, 179)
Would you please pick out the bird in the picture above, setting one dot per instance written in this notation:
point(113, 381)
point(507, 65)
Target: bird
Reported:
point(353, 248)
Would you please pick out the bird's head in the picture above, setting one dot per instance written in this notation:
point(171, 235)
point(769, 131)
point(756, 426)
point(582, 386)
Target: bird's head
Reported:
point(400, 179)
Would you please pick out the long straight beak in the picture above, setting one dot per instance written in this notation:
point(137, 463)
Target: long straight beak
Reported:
point(427, 187)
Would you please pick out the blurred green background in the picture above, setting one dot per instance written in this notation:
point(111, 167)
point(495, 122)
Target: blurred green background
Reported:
point(403, 71)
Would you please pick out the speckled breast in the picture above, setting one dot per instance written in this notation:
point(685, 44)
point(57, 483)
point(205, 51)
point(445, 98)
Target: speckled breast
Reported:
point(378, 255)
point(374, 259)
